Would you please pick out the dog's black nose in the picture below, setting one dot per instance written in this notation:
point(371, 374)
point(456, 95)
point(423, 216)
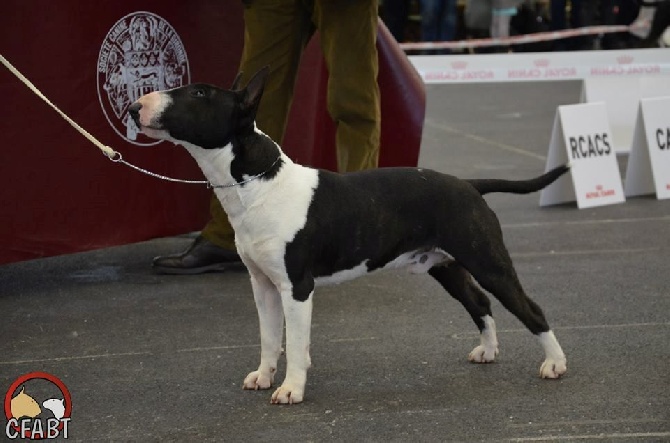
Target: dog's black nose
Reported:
point(134, 111)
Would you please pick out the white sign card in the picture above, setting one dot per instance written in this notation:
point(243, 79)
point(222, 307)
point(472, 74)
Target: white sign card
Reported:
point(648, 168)
point(621, 96)
point(581, 137)
point(651, 87)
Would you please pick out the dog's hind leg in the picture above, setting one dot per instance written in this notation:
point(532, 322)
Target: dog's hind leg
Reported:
point(494, 271)
point(297, 303)
point(271, 318)
point(457, 281)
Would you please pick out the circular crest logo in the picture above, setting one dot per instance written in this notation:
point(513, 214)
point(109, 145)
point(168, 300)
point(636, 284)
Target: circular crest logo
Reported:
point(142, 53)
point(37, 406)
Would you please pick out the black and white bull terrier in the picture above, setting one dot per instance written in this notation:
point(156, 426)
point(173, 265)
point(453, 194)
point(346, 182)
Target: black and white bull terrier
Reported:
point(297, 227)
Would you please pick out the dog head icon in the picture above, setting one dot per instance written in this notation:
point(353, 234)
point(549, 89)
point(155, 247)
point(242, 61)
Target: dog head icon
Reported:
point(56, 406)
point(23, 405)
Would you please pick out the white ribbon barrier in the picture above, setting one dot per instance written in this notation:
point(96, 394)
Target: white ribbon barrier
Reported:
point(525, 38)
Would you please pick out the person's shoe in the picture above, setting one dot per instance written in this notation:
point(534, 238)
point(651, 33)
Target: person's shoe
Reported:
point(202, 256)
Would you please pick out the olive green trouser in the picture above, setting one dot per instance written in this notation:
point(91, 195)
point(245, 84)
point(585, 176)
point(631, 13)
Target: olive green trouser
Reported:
point(276, 33)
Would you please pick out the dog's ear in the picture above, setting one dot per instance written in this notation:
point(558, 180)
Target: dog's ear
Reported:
point(254, 89)
point(236, 82)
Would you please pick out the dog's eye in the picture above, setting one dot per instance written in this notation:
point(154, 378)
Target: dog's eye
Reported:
point(198, 92)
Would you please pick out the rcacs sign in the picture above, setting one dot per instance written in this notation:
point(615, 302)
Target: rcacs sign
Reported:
point(582, 137)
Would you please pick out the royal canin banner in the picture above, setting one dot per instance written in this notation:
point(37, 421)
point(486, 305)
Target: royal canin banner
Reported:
point(572, 65)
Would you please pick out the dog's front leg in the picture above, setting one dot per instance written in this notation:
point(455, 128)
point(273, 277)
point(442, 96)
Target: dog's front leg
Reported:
point(271, 318)
point(298, 313)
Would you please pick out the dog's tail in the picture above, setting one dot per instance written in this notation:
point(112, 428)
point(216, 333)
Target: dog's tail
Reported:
point(486, 186)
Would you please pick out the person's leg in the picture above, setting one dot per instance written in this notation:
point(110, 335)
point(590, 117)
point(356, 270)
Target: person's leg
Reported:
point(348, 31)
point(276, 33)
point(558, 23)
point(584, 14)
point(557, 15)
point(430, 16)
point(478, 22)
point(448, 20)
point(395, 15)
point(501, 15)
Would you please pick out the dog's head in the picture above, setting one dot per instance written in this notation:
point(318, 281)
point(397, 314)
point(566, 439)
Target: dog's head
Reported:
point(199, 114)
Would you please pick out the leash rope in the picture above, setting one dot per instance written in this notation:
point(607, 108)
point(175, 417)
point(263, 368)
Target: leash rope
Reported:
point(252, 178)
point(109, 152)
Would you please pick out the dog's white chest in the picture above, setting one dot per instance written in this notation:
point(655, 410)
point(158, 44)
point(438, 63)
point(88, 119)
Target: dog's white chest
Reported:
point(278, 212)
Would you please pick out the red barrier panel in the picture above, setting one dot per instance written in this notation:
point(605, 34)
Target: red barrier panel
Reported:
point(59, 194)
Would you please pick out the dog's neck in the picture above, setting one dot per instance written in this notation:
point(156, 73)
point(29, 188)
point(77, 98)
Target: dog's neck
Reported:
point(253, 155)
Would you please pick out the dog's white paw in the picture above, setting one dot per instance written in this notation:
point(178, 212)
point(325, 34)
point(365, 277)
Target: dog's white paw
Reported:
point(553, 368)
point(287, 395)
point(257, 380)
point(483, 354)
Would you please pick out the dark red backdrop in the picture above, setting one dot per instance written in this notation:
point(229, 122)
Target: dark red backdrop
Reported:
point(59, 194)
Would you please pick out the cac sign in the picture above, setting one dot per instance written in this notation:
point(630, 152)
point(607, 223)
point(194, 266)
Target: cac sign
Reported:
point(582, 137)
point(649, 164)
